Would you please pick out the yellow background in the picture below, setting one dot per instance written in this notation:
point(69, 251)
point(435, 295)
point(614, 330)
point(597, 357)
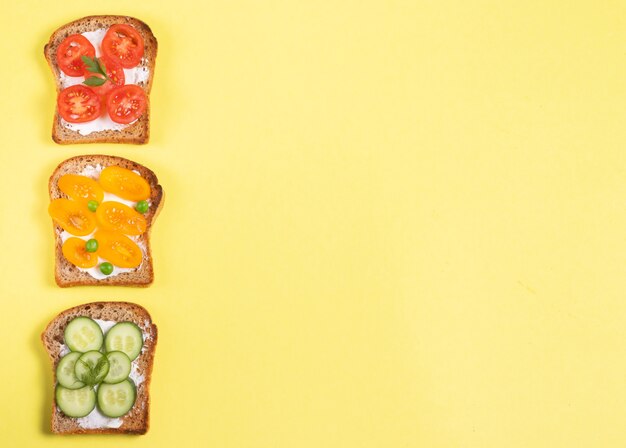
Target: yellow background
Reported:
point(388, 224)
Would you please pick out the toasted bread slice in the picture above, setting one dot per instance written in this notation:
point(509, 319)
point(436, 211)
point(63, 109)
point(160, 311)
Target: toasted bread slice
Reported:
point(65, 273)
point(137, 132)
point(137, 421)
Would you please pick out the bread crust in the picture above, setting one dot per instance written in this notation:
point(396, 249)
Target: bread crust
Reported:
point(137, 421)
point(65, 273)
point(139, 131)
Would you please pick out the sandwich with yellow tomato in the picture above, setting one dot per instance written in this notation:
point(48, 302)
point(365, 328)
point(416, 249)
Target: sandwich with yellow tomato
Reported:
point(103, 208)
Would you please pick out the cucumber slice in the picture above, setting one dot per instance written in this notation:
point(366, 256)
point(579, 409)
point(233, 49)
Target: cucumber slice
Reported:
point(83, 334)
point(120, 367)
point(65, 371)
point(124, 337)
point(115, 400)
point(92, 367)
point(77, 402)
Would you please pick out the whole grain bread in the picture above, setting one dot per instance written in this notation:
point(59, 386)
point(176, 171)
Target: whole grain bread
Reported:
point(139, 131)
point(65, 273)
point(137, 421)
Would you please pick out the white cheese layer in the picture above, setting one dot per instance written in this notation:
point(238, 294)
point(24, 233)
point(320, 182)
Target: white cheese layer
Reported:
point(135, 75)
point(95, 419)
point(93, 172)
point(95, 271)
point(102, 123)
point(105, 325)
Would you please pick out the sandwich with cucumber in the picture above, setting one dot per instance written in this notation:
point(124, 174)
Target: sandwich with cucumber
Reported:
point(102, 355)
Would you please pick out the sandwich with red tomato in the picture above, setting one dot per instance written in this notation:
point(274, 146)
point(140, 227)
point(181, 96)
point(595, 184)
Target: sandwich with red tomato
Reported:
point(103, 68)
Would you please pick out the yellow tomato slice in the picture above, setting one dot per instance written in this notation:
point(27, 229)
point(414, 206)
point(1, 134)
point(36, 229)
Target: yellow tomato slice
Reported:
point(118, 249)
point(81, 188)
point(73, 216)
point(124, 183)
point(119, 217)
point(75, 252)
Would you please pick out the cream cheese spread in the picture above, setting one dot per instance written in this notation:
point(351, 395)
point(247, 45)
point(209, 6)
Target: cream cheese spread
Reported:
point(95, 419)
point(93, 172)
point(135, 75)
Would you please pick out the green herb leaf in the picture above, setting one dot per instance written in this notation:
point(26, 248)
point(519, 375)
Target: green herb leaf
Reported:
point(94, 81)
point(92, 64)
point(103, 69)
point(94, 373)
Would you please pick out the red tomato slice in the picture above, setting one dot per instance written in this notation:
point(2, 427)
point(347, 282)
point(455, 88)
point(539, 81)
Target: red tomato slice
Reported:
point(78, 104)
point(69, 54)
point(126, 103)
point(115, 72)
point(124, 44)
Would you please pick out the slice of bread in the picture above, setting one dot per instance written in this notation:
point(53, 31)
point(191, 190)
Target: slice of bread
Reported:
point(137, 421)
point(137, 132)
point(65, 273)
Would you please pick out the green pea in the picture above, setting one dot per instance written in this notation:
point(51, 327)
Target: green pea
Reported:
point(91, 245)
point(106, 268)
point(142, 206)
point(92, 205)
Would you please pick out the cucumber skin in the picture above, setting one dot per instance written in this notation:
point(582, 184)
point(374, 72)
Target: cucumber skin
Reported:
point(134, 389)
point(99, 379)
point(110, 332)
point(130, 363)
point(56, 400)
point(74, 348)
point(59, 367)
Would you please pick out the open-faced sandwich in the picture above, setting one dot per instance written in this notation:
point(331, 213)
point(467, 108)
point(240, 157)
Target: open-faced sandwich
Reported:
point(103, 209)
point(102, 355)
point(103, 68)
